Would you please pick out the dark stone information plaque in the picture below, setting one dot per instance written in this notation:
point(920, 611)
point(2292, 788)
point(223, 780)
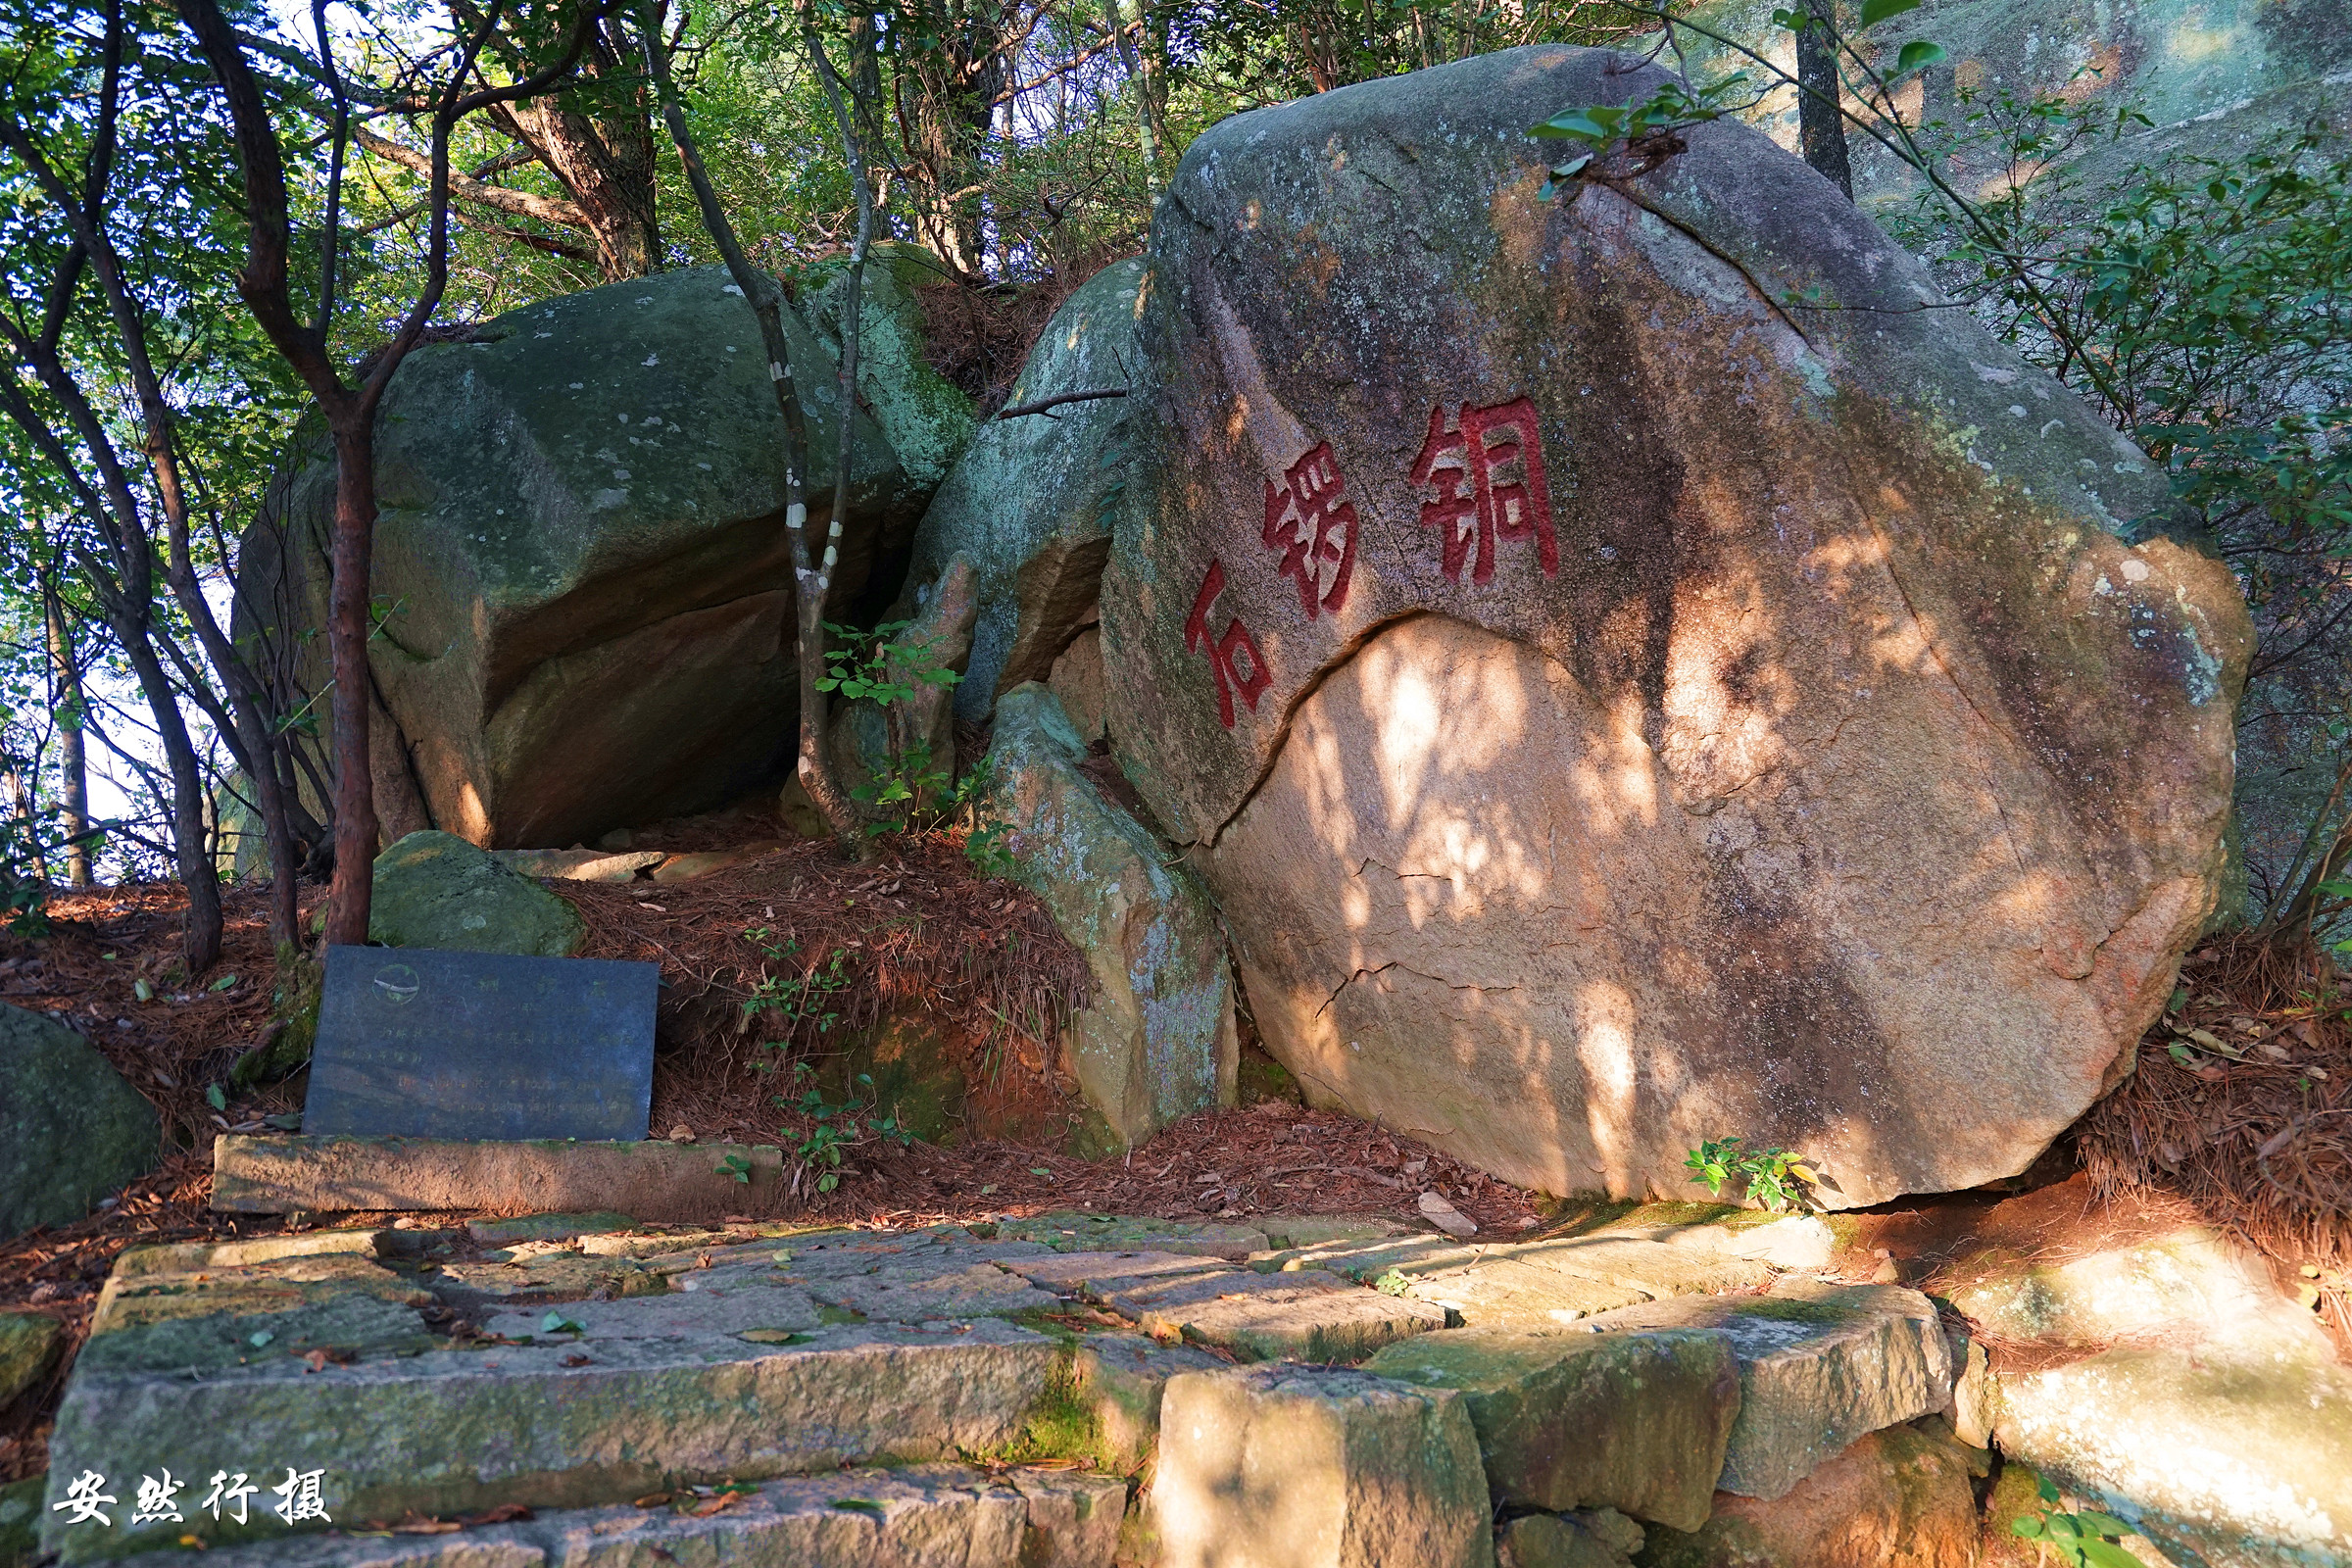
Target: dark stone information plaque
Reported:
point(418, 1043)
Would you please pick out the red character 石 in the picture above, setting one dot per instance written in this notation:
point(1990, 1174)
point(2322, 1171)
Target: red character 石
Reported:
point(1313, 524)
point(1225, 652)
point(1476, 501)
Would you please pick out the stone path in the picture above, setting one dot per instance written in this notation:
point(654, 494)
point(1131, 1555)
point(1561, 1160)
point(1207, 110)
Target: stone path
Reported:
point(597, 1373)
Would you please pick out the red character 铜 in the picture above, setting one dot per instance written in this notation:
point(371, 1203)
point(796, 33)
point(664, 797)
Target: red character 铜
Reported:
point(1226, 651)
point(1477, 504)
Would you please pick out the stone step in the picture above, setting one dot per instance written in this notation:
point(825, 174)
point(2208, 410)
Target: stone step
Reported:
point(1634, 1422)
point(920, 1516)
point(1298, 1315)
point(1821, 1365)
point(554, 1424)
point(1312, 1467)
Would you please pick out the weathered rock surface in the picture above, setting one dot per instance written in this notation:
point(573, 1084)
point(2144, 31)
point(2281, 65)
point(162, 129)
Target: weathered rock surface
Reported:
point(1634, 1422)
point(72, 1129)
point(581, 542)
point(1156, 1040)
point(926, 421)
point(937, 637)
point(1030, 503)
point(435, 889)
point(1631, 670)
point(1898, 1499)
point(1078, 1231)
point(1123, 1379)
point(580, 865)
point(1819, 1367)
point(1303, 1316)
point(1602, 1539)
point(1293, 1467)
point(2167, 1383)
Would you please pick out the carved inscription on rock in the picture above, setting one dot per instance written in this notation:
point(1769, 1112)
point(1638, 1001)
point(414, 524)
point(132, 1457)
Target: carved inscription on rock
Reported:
point(1483, 480)
point(1311, 521)
point(1233, 657)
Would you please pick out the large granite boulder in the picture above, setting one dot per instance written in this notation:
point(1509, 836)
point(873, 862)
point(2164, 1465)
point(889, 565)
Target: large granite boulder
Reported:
point(1157, 1039)
point(588, 588)
point(72, 1129)
point(1640, 668)
point(1030, 504)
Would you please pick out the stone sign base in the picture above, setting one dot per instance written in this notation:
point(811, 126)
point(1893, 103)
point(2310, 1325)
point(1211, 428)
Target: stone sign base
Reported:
point(655, 1181)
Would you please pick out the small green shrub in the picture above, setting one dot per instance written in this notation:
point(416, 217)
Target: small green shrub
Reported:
point(1770, 1175)
point(2081, 1540)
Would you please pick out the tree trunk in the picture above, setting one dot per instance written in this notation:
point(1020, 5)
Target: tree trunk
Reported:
point(1820, 118)
point(191, 855)
point(608, 167)
point(605, 160)
point(347, 628)
point(73, 763)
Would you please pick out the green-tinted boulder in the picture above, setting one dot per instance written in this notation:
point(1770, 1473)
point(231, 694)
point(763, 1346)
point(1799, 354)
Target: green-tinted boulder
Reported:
point(582, 560)
point(926, 420)
point(1157, 1039)
point(1638, 1423)
point(908, 1069)
point(1030, 503)
point(435, 889)
point(28, 1345)
point(71, 1130)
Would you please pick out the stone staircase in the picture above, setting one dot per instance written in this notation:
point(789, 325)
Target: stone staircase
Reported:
point(1073, 1389)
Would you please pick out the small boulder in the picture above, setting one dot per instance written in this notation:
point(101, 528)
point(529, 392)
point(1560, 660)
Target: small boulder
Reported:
point(1030, 503)
point(28, 1345)
point(913, 1075)
point(1635, 1422)
point(72, 1129)
point(1157, 1040)
point(435, 889)
point(1315, 1468)
point(580, 865)
point(1898, 1499)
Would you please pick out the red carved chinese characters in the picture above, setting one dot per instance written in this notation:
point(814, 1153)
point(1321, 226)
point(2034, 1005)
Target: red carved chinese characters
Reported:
point(1472, 507)
point(1222, 651)
point(1313, 524)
